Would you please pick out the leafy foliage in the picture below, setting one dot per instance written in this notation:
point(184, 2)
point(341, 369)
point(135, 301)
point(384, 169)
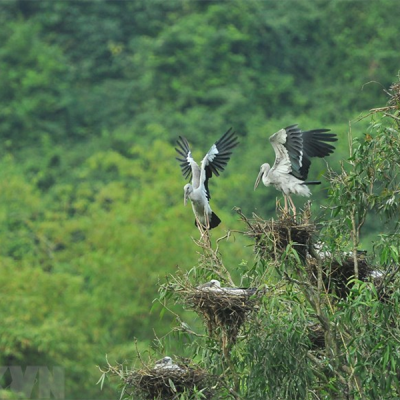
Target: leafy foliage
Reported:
point(96, 66)
point(31, 84)
point(306, 339)
point(92, 98)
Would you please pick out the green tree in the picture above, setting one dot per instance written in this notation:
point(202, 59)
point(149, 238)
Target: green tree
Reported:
point(31, 84)
point(325, 323)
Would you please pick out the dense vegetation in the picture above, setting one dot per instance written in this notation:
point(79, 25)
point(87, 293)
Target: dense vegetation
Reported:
point(92, 98)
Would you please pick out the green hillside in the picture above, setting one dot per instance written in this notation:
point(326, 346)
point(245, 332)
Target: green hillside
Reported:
point(93, 96)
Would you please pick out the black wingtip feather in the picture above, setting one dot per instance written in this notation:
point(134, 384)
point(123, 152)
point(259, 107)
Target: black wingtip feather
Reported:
point(311, 183)
point(214, 221)
point(224, 146)
point(183, 150)
point(304, 145)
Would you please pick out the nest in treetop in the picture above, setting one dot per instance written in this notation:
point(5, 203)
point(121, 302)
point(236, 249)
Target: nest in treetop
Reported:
point(222, 311)
point(272, 237)
point(316, 334)
point(394, 93)
point(168, 384)
point(336, 274)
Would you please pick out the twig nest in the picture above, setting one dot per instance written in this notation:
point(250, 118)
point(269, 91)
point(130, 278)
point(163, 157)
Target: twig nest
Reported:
point(272, 237)
point(223, 309)
point(168, 383)
point(337, 273)
point(316, 335)
point(385, 283)
point(394, 92)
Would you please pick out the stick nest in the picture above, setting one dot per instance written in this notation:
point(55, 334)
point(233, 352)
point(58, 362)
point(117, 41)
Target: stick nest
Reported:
point(222, 311)
point(168, 384)
point(272, 237)
point(316, 334)
point(394, 93)
point(338, 273)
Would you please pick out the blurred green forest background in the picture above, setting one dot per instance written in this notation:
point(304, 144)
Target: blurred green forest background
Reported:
point(93, 95)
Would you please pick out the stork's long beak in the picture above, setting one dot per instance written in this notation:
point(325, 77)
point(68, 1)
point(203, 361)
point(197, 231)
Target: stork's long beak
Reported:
point(260, 174)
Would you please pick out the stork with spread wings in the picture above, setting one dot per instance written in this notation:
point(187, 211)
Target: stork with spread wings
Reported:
point(213, 162)
point(294, 149)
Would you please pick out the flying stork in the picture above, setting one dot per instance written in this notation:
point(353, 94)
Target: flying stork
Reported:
point(213, 162)
point(293, 150)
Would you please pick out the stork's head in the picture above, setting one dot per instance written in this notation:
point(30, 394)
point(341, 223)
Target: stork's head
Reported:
point(164, 361)
point(264, 169)
point(215, 283)
point(167, 360)
point(187, 190)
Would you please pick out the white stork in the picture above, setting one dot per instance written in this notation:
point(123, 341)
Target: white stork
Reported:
point(166, 364)
point(215, 286)
point(293, 150)
point(213, 162)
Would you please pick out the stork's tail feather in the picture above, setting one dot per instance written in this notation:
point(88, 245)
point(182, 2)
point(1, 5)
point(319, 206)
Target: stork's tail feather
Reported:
point(251, 291)
point(311, 183)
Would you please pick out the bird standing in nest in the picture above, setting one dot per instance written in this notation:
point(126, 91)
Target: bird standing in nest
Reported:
point(293, 150)
point(213, 162)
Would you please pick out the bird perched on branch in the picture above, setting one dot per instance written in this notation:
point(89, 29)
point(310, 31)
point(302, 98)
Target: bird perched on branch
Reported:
point(213, 162)
point(294, 149)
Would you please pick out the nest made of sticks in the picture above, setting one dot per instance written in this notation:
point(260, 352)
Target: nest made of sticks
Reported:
point(385, 282)
point(316, 334)
point(168, 384)
point(272, 237)
point(222, 310)
point(336, 274)
point(394, 93)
